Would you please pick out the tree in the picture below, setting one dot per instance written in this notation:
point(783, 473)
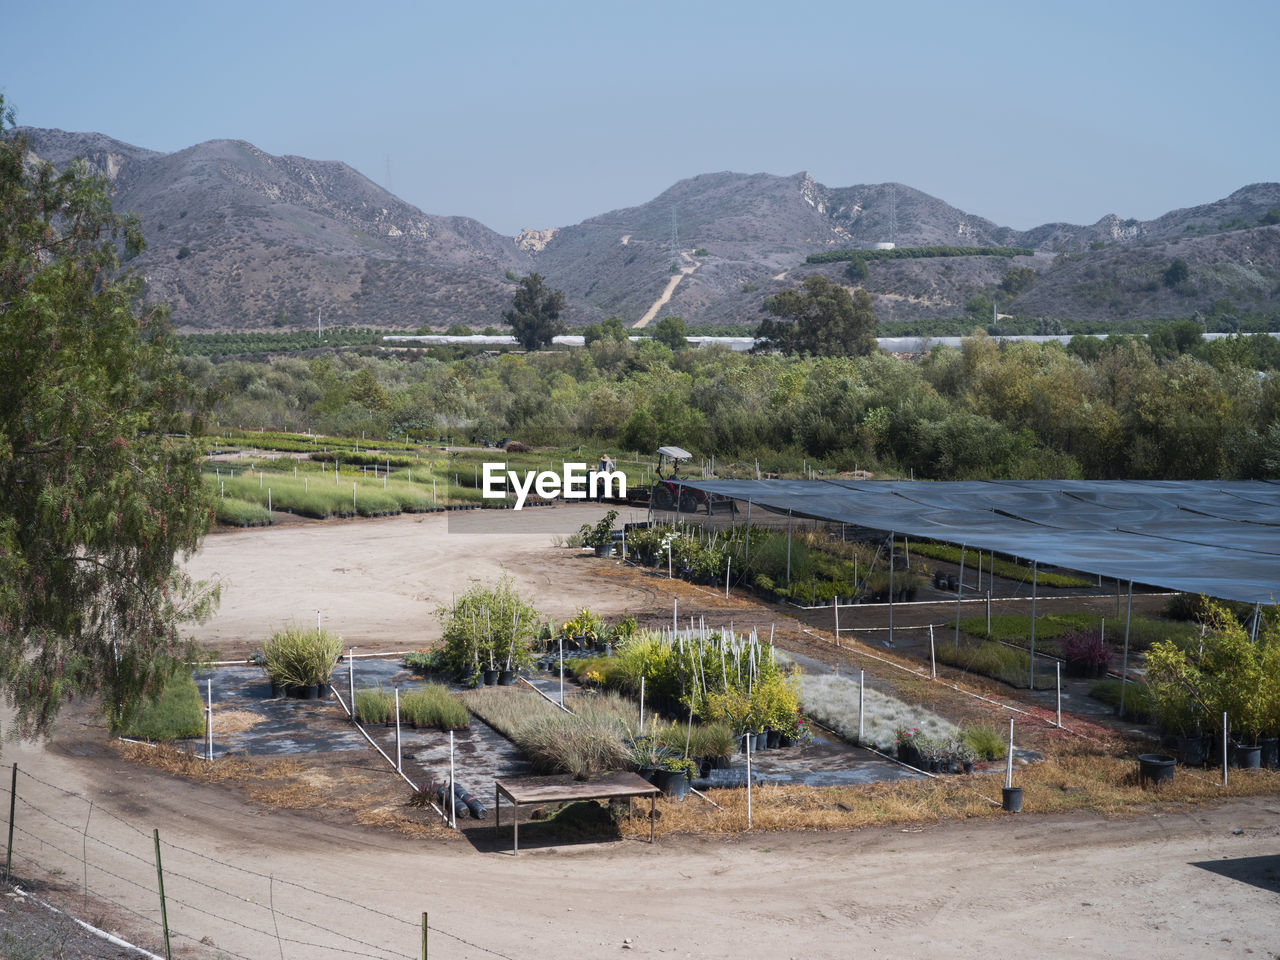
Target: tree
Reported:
point(820, 318)
point(535, 313)
point(611, 328)
point(100, 487)
point(1178, 273)
point(672, 332)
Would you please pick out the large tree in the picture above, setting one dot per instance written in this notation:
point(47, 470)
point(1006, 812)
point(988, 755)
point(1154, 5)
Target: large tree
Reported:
point(535, 313)
point(99, 483)
point(821, 318)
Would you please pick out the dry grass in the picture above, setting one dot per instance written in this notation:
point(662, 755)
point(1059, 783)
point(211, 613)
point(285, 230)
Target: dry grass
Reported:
point(1079, 779)
point(235, 721)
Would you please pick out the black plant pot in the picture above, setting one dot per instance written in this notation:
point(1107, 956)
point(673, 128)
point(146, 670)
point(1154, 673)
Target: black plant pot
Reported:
point(1270, 752)
point(490, 677)
point(721, 762)
point(1191, 750)
point(785, 742)
point(968, 766)
point(323, 690)
point(310, 691)
point(506, 678)
point(762, 741)
point(277, 689)
point(773, 739)
point(1156, 768)
point(1011, 799)
point(1246, 757)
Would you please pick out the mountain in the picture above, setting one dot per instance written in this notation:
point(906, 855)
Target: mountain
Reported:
point(239, 239)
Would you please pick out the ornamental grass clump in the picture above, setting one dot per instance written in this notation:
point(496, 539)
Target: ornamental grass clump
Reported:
point(434, 706)
point(301, 657)
point(375, 705)
point(833, 702)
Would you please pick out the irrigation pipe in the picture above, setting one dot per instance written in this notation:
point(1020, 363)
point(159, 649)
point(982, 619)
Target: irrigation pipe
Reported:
point(348, 656)
point(524, 680)
point(101, 934)
point(375, 746)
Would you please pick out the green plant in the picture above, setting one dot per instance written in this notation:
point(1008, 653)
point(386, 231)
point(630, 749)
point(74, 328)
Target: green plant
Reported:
point(584, 623)
point(301, 656)
point(602, 533)
point(434, 706)
point(375, 705)
point(985, 740)
point(174, 713)
point(488, 626)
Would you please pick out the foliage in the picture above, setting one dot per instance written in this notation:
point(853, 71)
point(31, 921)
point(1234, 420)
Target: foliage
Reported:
point(610, 329)
point(234, 512)
point(821, 319)
point(671, 332)
point(1007, 569)
point(434, 706)
point(1010, 665)
point(99, 482)
point(985, 740)
point(833, 701)
point(535, 311)
point(488, 626)
point(600, 534)
point(375, 705)
point(176, 712)
point(301, 656)
point(1086, 648)
point(1138, 704)
point(584, 624)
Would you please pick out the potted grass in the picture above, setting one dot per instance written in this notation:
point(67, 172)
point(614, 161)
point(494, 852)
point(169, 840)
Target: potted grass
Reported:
point(299, 662)
point(600, 536)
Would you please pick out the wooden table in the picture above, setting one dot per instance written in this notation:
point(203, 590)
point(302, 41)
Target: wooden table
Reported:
point(562, 788)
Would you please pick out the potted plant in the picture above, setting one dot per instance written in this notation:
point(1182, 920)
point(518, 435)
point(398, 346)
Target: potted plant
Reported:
point(583, 628)
point(600, 537)
point(907, 740)
point(932, 750)
point(1085, 653)
point(675, 775)
point(488, 628)
point(962, 755)
point(299, 661)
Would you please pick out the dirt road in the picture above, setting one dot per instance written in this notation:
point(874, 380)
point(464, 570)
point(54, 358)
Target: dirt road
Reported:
point(1200, 883)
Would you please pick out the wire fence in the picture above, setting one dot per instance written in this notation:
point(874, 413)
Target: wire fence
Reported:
point(111, 873)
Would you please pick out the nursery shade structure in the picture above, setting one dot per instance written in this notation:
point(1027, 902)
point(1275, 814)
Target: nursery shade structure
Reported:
point(1220, 538)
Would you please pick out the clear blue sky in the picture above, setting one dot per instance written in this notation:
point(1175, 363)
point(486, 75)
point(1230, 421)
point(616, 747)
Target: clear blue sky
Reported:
point(543, 114)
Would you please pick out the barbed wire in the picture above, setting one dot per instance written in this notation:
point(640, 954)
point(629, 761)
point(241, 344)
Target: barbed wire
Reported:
point(71, 795)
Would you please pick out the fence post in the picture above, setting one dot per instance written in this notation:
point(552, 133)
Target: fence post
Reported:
point(13, 797)
point(164, 915)
point(424, 935)
point(862, 686)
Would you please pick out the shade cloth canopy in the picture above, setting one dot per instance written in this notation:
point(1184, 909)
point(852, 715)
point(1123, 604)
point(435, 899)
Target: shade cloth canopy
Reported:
point(1220, 538)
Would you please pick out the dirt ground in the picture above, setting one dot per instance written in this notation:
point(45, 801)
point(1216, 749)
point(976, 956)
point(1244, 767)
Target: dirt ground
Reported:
point(1194, 883)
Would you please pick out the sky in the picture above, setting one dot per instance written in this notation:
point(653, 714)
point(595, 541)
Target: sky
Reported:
point(544, 114)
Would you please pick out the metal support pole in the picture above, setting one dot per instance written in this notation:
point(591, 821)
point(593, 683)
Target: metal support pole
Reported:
point(351, 679)
point(164, 914)
point(747, 540)
point(891, 588)
point(988, 608)
point(862, 688)
point(562, 671)
point(749, 739)
point(933, 660)
point(959, 594)
point(13, 797)
point(1034, 570)
point(1124, 669)
point(835, 609)
point(788, 549)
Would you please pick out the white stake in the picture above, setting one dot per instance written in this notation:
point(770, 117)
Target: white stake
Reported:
point(453, 802)
point(727, 567)
point(1058, 668)
point(862, 686)
point(351, 676)
point(562, 671)
point(642, 704)
point(749, 739)
point(933, 661)
point(835, 608)
point(399, 768)
point(1008, 770)
point(1224, 747)
point(209, 724)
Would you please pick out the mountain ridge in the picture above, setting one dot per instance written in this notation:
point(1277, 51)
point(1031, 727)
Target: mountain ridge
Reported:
point(241, 239)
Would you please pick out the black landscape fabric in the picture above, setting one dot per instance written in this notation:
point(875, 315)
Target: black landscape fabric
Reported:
point(1219, 538)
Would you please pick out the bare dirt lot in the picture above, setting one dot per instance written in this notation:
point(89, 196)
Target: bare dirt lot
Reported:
point(1190, 882)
